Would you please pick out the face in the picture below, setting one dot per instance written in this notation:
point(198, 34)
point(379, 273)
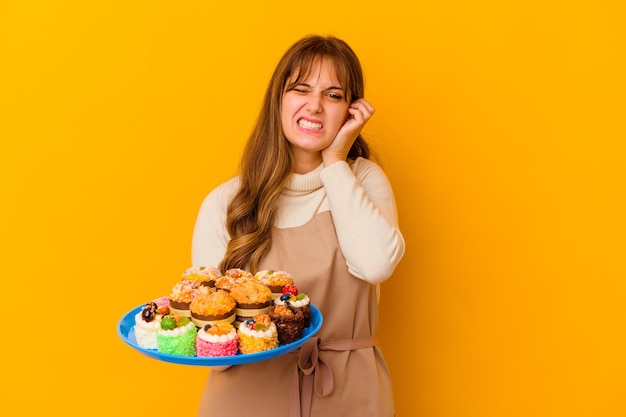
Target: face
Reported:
point(312, 113)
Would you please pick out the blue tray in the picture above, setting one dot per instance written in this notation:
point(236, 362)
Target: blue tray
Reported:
point(126, 331)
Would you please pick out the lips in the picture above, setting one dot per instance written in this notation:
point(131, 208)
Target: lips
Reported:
point(309, 125)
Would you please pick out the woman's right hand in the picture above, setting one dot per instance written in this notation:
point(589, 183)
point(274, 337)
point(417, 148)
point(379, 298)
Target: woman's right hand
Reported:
point(359, 112)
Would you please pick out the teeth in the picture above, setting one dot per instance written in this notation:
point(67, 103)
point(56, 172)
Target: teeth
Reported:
point(309, 125)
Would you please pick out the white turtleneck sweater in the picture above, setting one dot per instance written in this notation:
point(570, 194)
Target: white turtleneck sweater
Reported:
point(361, 202)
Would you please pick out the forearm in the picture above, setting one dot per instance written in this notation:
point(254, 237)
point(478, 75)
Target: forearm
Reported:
point(365, 218)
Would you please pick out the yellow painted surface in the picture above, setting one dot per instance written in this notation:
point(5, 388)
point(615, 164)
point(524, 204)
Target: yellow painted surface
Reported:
point(501, 126)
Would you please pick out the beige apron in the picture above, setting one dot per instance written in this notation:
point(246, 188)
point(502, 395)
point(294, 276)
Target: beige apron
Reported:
point(341, 372)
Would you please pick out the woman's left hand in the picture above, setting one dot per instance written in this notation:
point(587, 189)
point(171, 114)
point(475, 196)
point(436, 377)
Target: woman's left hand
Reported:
point(359, 113)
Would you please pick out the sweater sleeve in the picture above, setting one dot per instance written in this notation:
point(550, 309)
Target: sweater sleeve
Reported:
point(210, 237)
point(363, 207)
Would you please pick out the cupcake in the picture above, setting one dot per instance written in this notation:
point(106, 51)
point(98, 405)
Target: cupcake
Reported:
point(252, 298)
point(225, 283)
point(298, 300)
point(275, 280)
point(218, 339)
point(205, 276)
point(209, 307)
point(180, 298)
point(162, 301)
point(177, 336)
point(231, 277)
point(289, 322)
point(257, 334)
point(237, 273)
point(147, 323)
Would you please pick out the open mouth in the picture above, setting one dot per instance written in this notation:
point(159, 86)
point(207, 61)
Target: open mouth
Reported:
point(306, 124)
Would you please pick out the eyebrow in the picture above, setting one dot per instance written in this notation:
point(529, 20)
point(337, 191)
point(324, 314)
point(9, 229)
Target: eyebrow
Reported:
point(332, 87)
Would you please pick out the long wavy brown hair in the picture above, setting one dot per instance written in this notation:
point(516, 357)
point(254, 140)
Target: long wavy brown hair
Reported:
point(267, 160)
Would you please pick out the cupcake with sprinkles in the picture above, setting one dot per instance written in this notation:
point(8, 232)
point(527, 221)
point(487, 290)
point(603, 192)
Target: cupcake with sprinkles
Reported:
point(275, 280)
point(230, 278)
point(210, 307)
point(177, 336)
point(183, 292)
point(252, 297)
point(206, 276)
point(218, 339)
point(297, 300)
point(238, 273)
point(147, 323)
point(257, 334)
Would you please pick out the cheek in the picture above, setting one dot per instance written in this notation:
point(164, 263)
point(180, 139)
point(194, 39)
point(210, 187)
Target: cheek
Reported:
point(284, 114)
point(288, 109)
point(339, 118)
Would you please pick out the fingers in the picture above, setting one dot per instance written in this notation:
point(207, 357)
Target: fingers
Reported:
point(361, 110)
point(363, 104)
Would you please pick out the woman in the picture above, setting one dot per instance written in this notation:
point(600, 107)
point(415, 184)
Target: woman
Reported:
point(309, 201)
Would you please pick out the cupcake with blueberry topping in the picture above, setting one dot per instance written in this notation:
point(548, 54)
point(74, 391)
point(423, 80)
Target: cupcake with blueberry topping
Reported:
point(218, 339)
point(257, 334)
point(289, 322)
point(297, 300)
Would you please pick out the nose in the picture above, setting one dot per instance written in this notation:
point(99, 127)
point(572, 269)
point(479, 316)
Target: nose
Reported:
point(314, 103)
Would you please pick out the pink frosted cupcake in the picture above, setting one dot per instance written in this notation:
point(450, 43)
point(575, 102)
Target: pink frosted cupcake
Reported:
point(218, 339)
point(162, 301)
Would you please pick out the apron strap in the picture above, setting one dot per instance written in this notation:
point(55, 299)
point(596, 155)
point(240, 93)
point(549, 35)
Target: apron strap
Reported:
point(316, 373)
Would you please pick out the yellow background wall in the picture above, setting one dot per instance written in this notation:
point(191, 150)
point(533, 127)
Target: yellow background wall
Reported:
point(501, 126)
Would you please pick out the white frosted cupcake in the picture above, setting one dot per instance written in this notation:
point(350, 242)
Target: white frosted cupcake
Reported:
point(147, 323)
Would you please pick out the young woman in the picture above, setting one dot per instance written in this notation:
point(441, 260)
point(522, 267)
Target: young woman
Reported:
point(309, 201)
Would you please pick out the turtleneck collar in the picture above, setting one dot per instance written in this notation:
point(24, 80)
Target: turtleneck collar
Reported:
point(300, 184)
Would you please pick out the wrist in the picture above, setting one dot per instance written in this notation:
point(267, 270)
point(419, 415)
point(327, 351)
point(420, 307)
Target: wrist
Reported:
point(328, 160)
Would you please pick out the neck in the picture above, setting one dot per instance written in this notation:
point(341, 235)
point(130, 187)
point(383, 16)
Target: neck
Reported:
point(306, 161)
